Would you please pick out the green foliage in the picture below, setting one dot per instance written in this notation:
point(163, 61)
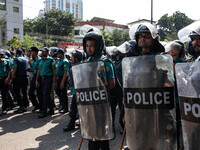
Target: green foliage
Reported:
point(28, 42)
point(108, 38)
point(170, 25)
point(54, 22)
point(119, 37)
point(14, 42)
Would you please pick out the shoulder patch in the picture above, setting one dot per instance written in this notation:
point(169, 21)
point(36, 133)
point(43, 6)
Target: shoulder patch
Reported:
point(107, 69)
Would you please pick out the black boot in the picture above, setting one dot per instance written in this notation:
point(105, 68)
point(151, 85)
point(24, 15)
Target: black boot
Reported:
point(70, 126)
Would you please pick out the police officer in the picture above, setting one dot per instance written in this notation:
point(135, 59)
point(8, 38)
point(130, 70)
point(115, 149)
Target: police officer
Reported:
point(177, 51)
point(47, 70)
point(147, 43)
point(62, 75)
point(194, 46)
point(94, 44)
point(4, 79)
point(77, 57)
point(20, 80)
point(37, 104)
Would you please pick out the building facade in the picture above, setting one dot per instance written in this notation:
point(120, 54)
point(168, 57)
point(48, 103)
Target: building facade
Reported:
point(11, 19)
point(99, 23)
point(73, 6)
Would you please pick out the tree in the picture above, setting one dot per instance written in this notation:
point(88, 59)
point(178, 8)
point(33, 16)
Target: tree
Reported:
point(170, 25)
point(108, 38)
point(28, 41)
point(56, 23)
point(119, 37)
point(14, 42)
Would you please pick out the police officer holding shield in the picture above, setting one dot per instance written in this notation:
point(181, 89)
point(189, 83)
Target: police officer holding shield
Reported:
point(47, 71)
point(94, 108)
point(188, 79)
point(62, 75)
point(145, 76)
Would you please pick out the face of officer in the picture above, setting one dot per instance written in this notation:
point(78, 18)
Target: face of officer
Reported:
point(196, 43)
point(60, 55)
point(34, 54)
point(174, 52)
point(45, 53)
point(90, 47)
point(145, 41)
point(74, 59)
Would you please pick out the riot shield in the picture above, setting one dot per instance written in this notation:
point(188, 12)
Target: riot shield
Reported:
point(149, 102)
point(188, 83)
point(92, 98)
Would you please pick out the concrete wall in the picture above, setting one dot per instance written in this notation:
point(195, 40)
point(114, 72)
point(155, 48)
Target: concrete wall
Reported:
point(13, 19)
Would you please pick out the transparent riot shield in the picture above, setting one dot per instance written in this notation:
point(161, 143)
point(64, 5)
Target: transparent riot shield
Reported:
point(93, 101)
point(149, 102)
point(188, 83)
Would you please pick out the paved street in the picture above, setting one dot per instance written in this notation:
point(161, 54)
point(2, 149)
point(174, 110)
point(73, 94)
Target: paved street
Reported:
point(27, 132)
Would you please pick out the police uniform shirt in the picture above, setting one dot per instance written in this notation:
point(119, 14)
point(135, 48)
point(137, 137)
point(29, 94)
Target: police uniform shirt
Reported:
point(177, 59)
point(4, 68)
point(108, 65)
point(46, 66)
point(15, 61)
point(63, 65)
point(35, 64)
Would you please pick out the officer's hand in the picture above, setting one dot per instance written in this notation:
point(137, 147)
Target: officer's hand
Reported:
point(30, 62)
point(55, 85)
point(37, 84)
point(10, 82)
point(124, 120)
point(6, 81)
point(62, 85)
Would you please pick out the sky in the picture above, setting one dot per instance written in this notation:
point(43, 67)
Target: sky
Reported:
point(124, 11)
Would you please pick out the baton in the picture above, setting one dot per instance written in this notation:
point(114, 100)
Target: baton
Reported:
point(80, 144)
point(123, 136)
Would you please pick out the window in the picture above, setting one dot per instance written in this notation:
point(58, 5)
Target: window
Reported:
point(77, 32)
point(2, 4)
point(16, 9)
point(16, 30)
point(16, 0)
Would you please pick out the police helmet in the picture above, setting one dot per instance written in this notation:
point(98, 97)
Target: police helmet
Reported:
point(77, 54)
point(59, 51)
point(8, 54)
point(19, 51)
point(132, 51)
point(146, 28)
point(2, 52)
point(193, 34)
point(100, 42)
point(182, 50)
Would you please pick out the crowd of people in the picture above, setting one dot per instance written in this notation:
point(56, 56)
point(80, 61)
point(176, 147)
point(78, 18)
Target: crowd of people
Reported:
point(35, 74)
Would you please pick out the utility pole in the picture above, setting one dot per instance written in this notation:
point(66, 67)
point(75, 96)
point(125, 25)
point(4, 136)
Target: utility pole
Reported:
point(151, 11)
